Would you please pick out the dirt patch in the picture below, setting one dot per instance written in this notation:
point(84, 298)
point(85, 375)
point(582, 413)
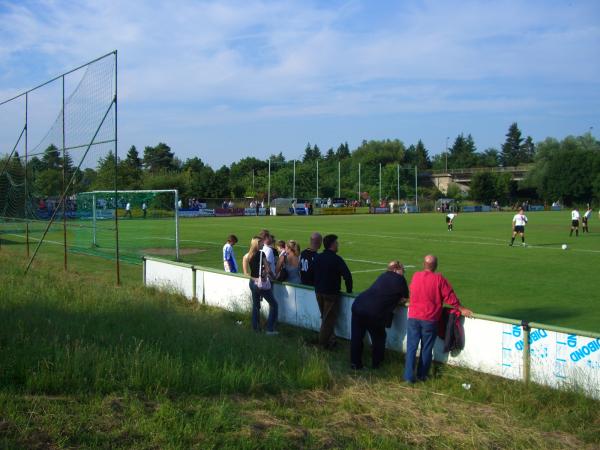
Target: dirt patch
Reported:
point(170, 251)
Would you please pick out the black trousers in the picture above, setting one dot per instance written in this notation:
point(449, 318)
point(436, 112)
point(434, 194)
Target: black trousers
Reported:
point(360, 325)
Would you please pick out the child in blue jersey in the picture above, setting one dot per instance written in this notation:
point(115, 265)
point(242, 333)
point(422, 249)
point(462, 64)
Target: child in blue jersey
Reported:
point(228, 257)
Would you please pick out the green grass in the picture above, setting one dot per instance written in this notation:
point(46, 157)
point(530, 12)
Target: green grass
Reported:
point(85, 364)
point(540, 283)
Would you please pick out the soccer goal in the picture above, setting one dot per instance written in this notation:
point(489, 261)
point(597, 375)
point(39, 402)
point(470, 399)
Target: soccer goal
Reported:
point(148, 222)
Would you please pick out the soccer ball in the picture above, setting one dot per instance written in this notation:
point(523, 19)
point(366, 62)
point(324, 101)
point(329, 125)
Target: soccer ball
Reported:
point(564, 246)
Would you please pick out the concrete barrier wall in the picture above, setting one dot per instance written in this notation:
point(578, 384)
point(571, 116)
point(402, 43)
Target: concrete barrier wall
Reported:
point(492, 345)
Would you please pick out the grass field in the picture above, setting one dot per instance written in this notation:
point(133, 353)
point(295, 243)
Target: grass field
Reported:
point(85, 364)
point(539, 283)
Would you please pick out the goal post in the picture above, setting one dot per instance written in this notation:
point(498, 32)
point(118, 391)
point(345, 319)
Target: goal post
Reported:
point(99, 207)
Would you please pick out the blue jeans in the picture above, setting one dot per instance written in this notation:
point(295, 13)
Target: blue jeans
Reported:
point(423, 331)
point(257, 295)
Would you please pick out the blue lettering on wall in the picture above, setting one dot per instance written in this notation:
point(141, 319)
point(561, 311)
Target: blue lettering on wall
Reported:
point(516, 331)
point(534, 336)
point(572, 340)
point(585, 350)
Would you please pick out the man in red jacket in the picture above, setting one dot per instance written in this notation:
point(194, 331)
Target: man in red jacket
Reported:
point(428, 293)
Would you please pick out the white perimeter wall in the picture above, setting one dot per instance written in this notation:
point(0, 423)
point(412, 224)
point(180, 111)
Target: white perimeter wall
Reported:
point(556, 359)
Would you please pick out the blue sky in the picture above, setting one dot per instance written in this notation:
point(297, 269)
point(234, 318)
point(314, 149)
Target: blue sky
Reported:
point(225, 79)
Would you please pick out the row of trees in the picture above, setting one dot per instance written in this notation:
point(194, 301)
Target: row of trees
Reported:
point(564, 170)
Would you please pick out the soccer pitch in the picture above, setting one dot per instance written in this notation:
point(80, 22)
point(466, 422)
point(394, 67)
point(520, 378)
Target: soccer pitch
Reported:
point(540, 282)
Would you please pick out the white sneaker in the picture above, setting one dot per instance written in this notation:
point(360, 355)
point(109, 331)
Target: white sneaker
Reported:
point(272, 333)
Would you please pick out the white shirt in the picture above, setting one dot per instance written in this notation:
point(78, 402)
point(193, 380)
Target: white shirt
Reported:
point(588, 214)
point(520, 220)
point(451, 216)
point(144, 206)
point(127, 206)
point(268, 251)
point(575, 215)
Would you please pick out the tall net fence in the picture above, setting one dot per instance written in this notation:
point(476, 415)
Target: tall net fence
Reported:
point(56, 140)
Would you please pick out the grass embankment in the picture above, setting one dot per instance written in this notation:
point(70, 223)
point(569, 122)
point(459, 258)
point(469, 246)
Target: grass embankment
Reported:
point(85, 364)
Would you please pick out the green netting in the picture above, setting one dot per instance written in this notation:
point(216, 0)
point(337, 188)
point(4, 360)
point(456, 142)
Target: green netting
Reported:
point(147, 226)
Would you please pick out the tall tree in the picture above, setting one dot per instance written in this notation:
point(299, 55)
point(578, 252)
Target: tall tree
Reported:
point(512, 149)
point(462, 153)
point(159, 158)
point(422, 160)
point(528, 150)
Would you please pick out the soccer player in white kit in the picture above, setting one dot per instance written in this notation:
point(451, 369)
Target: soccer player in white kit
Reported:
point(518, 226)
point(575, 222)
point(586, 217)
point(450, 221)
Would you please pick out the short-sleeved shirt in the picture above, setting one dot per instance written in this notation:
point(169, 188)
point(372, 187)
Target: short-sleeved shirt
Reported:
point(575, 215)
point(307, 268)
point(588, 214)
point(520, 220)
point(270, 255)
point(229, 258)
point(451, 216)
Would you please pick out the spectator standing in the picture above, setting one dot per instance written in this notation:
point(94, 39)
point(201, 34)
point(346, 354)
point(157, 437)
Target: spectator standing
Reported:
point(307, 258)
point(267, 240)
point(289, 259)
point(373, 309)
point(128, 210)
point(144, 209)
point(256, 266)
point(229, 262)
point(329, 269)
point(428, 293)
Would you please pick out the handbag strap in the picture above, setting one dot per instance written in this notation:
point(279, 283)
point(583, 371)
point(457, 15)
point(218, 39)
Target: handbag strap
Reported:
point(260, 264)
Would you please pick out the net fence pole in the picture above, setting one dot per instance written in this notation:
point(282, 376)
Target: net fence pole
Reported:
point(176, 225)
point(26, 179)
point(339, 179)
point(115, 104)
point(269, 186)
point(64, 168)
point(94, 243)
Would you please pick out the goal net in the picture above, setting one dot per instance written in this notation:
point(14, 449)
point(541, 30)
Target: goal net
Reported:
point(148, 223)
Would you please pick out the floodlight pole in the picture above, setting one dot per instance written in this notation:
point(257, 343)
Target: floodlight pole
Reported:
point(339, 179)
point(398, 179)
point(94, 220)
point(269, 186)
point(359, 183)
point(317, 178)
point(380, 182)
point(416, 191)
point(294, 182)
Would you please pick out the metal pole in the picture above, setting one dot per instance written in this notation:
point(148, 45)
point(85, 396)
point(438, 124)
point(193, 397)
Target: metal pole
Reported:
point(398, 179)
point(317, 178)
point(526, 352)
point(269, 186)
point(359, 183)
point(416, 192)
point(379, 181)
point(64, 168)
point(294, 183)
point(94, 220)
point(253, 189)
point(339, 179)
point(26, 187)
point(118, 264)
point(176, 225)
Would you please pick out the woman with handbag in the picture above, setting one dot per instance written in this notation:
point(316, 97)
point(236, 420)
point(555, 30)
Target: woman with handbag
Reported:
point(288, 265)
point(257, 267)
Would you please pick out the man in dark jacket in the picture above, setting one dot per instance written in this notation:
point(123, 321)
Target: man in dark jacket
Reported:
point(372, 309)
point(307, 259)
point(329, 271)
